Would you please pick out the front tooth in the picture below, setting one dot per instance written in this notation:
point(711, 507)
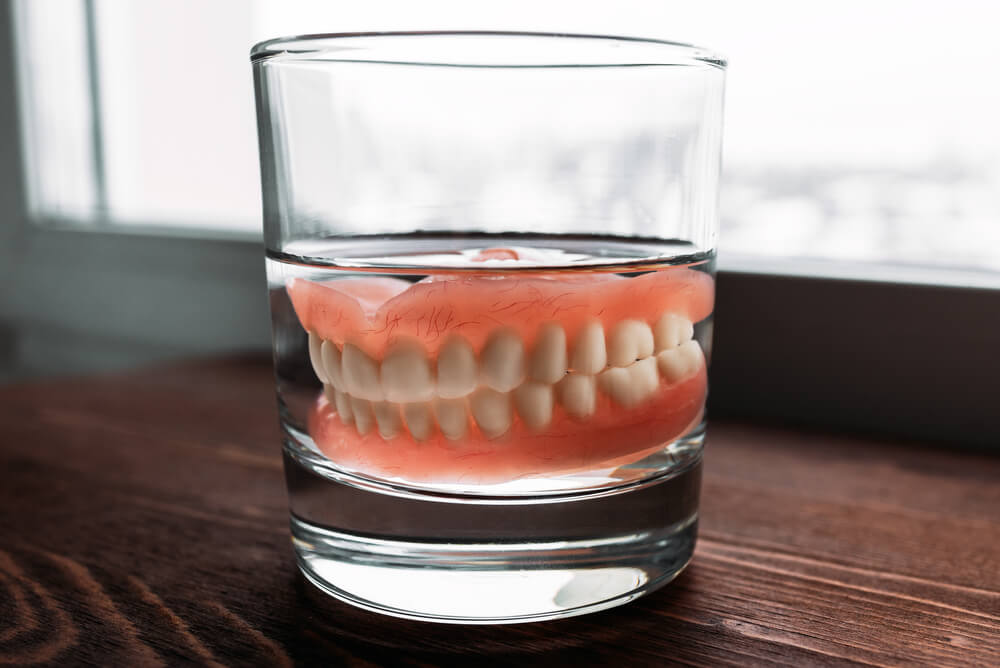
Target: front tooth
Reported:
point(331, 364)
point(672, 330)
point(630, 385)
point(534, 403)
point(680, 362)
point(630, 340)
point(577, 394)
point(492, 411)
point(406, 374)
point(360, 374)
point(316, 357)
point(387, 417)
point(451, 417)
point(363, 418)
point(418, 420)
point(457, 371)
point(589, 354)
point(330, 392)
point(502, 361)
point(344, 407)
point(548, 360)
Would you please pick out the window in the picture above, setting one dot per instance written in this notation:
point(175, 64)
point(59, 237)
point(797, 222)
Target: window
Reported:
point(850, 136)
point(860, 144)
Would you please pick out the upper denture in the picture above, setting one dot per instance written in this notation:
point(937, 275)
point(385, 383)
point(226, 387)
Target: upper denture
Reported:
point(476, 306)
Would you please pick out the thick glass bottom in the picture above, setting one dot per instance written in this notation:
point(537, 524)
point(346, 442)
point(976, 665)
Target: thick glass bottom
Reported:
point(467, 559)
point(490, 583)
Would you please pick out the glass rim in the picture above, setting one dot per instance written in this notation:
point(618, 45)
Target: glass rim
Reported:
point(330, 47)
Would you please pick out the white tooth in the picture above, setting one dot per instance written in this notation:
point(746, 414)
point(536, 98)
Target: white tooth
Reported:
point(360, 374)
point(577, 394)
point(457, 371)
point(330, 392)
point(630, 385)
point(387, 417)
point(419, 420)
point(502, 361)
point(534, 403)
point(343, 407)
point(362, 415)
point(548, 360)
point(451, 417)
point(316, 357)
point(630, 340)
point(680, 362)
point(331, 364)
point(492, 411)
point(589, 354)
point(672, 330)
point(406, 374)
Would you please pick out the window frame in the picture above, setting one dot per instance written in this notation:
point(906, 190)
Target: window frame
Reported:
point(903, 358)
point(120, 296)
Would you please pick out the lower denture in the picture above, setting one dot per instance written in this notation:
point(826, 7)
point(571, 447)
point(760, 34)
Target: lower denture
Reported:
point(566, 444)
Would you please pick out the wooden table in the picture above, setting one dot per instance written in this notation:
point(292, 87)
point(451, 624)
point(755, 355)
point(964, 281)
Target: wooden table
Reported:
point(143, 521)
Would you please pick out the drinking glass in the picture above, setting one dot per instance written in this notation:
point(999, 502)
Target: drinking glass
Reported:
point(490, 260)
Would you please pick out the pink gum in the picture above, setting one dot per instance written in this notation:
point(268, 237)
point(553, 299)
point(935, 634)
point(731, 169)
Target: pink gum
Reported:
point(374, 312)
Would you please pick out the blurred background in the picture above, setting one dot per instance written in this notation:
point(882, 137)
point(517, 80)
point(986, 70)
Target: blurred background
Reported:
point(861, 141)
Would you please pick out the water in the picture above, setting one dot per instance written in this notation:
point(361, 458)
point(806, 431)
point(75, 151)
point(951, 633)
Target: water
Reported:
point(454, 465)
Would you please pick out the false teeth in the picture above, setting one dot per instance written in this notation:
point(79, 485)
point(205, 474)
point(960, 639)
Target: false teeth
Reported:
point(589, 353)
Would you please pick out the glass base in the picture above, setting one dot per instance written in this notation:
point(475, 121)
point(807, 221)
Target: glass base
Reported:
point(463, 558)
point(490, 583)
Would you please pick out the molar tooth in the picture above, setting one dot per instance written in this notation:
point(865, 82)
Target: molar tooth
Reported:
point(457, 370)
point(387, 417)
point(451, 417)
point(672, 330)
point(534, 403)
point(360, 374)
point(363, 418)
point(630, 340)
point(502, 361)
point(680, 362)
point(406, 373)
point(343, 407)
point(548, 360)
point(419, 420)
point(331, 364)
point(577, 394)
point(589, 354)
point(630, 385)
point(316, 357)
point(492, 411)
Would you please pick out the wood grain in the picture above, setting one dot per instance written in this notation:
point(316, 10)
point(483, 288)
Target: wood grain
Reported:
point(143, 521)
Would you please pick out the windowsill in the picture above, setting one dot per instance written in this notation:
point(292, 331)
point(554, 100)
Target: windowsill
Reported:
point(146, 229)
point(847, 270)
point(729, 262)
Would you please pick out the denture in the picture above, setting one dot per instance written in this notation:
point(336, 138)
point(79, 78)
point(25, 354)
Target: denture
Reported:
point(488, 377)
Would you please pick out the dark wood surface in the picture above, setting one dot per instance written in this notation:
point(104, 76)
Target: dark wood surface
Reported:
point(143, 521)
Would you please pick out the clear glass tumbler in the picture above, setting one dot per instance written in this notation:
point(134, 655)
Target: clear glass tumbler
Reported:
point(490, 259)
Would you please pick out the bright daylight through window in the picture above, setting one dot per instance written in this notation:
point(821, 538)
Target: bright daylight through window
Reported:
point(848, 138)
